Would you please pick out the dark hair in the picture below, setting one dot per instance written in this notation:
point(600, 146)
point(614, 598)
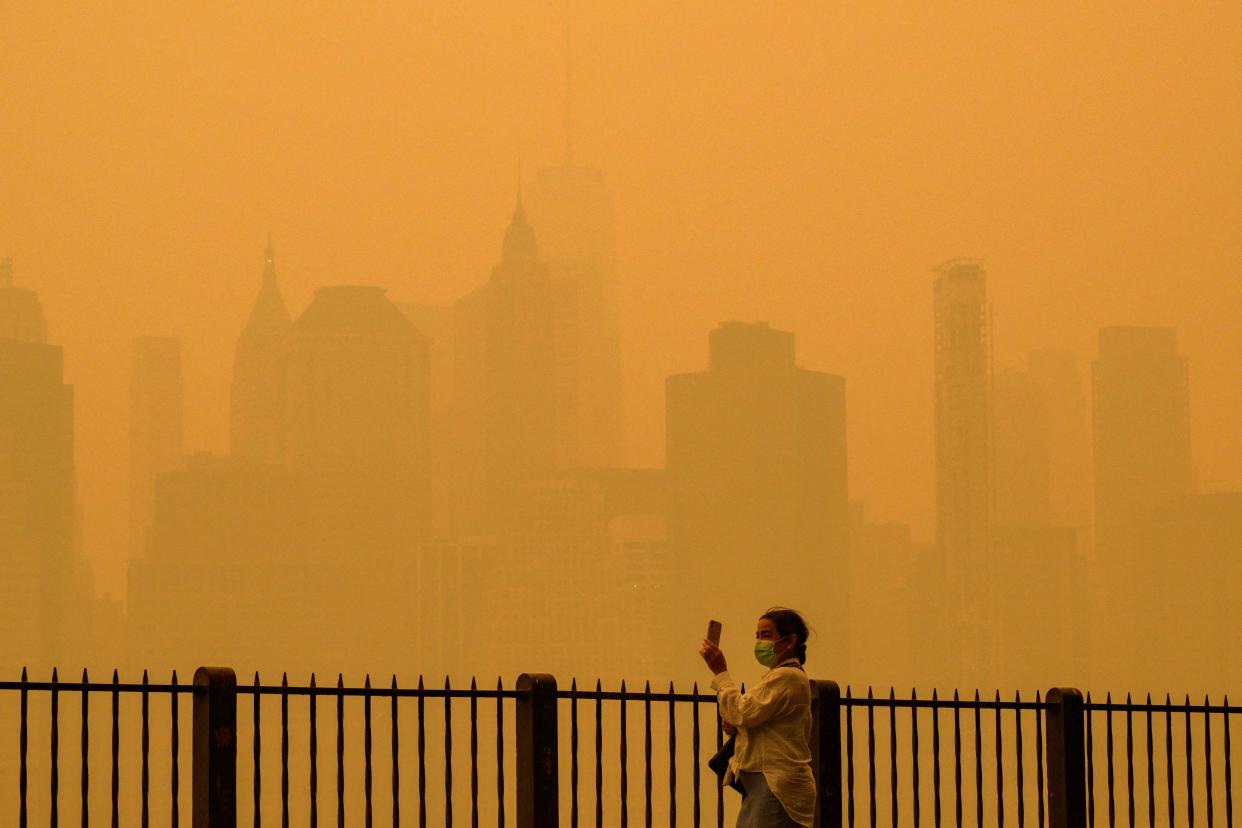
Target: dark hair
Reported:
point(789, 622)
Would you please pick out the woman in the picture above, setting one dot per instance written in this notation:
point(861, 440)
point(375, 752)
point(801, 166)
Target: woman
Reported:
point(772, 754)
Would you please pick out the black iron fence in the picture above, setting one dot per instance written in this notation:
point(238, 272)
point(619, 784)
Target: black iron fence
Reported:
point(539, 755)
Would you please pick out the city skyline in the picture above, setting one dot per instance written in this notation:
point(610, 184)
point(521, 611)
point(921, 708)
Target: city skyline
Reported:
point(778, 192)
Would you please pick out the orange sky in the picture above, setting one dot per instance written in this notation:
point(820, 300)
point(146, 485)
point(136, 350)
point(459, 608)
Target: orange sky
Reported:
point(801, 163)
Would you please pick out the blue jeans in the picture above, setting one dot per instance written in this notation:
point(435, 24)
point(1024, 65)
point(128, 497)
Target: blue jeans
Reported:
point(760, 807)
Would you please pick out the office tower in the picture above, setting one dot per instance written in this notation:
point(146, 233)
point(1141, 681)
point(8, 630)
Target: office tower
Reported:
point(1057, 376)
point(888, 572)
point(514, 401)
point(36, 483)
point(228, 543)
point(963, 461)
point(756, 461)
point(156, 427)
point(1196, 544)
point(572, 212)
point(435, 323)
point(21, 313)
point(1022, 451)
point(354, 422)
point(255, 418)
point(1039, 571)
point(1142, 464)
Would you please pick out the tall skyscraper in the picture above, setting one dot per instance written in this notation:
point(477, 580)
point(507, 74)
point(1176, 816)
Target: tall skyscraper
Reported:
point(1142, 461)
point(516, 401)
point(1057, 375)
point(573, 214)
point(156, 427)
point(36, 483)
point(355, 424)
point(1037, 564)
point(963, 460)
point(1022, 451)
point(255, 413)
point(756, 458)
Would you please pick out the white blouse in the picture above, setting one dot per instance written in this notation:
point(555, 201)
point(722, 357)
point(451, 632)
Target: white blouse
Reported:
point(773, 719)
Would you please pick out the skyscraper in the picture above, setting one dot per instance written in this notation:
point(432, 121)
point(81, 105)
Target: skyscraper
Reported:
point(573, 214)
point(1142, 462)
point(963, 459)
point(36, 482)
point(156, 427)
point(255, 419)
point(515, 399)
point(756, 458)
point(1037, 566)
point(1057, 375)
point(354, 422)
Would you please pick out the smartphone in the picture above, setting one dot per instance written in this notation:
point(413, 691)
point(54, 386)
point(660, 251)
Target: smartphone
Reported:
point(713, 632)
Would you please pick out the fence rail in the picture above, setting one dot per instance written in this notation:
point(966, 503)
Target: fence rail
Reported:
point(598, 756)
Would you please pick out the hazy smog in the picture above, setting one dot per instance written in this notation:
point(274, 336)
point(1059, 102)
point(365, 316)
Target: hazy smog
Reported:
point(471, 340)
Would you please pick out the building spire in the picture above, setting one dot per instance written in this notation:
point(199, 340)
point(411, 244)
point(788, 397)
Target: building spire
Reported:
point(269, 254)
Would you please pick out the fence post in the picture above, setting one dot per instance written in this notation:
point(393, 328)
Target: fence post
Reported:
point(538, 799)
point(826, 752)
point(215, 748)
point(1067, 805)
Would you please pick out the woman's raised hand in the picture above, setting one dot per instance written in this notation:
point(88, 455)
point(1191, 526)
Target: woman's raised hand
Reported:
point(713, 657)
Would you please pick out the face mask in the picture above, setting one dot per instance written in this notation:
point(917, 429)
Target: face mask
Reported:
point(765, 652)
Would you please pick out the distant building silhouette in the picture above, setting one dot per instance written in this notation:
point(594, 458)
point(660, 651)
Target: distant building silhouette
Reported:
point(228, 542)
point(756, 459)
point(354, 417)
point(888, 571)
point(573, 214)
point(1196, 559)
point(156, 427)
point(963, 461)
point(1142, 465)
point(255, 401)
point(37, 547)
point(1022, 451)
point(435, 323)
point(514, 402)
point(1057, 375)
point(1038, 566)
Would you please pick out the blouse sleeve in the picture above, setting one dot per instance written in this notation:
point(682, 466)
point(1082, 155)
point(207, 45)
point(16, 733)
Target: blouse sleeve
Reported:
point(761, 702)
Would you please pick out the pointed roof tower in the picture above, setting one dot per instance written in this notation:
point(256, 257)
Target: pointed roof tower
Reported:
point(520, 248)
point(269, 316)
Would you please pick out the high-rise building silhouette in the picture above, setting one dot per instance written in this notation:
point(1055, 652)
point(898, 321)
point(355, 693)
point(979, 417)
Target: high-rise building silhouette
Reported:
point(1022, 451)
point(1037, 565)
point(756, 459)
point(514, 401)
point(572, 212)
point(255, 403)
point(435, 323)
point(963, 460)
point(1196, 555)
point(229, 541)
point(354, 422)
point(1142, 464)
point(156, 427)
point(36, 483)
point(1057, 375)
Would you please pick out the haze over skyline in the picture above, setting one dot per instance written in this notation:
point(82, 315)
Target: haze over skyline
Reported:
point(807, 166)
